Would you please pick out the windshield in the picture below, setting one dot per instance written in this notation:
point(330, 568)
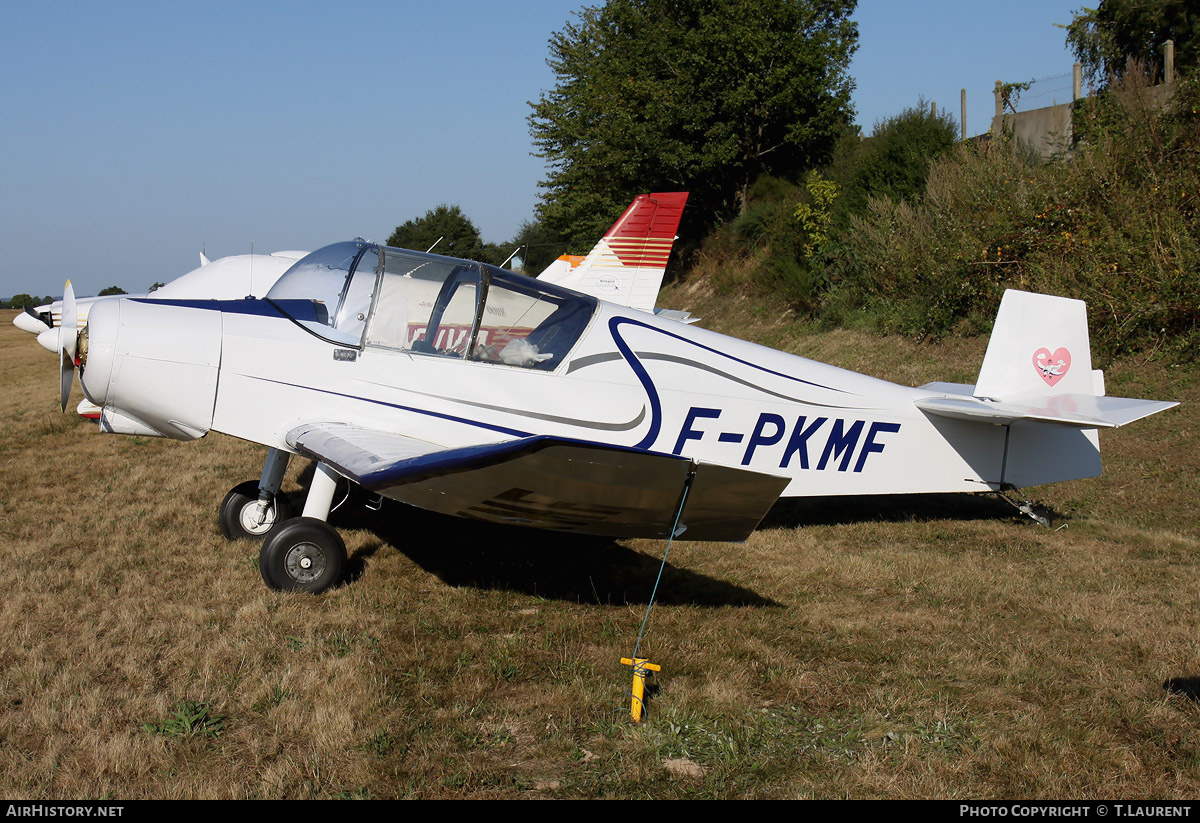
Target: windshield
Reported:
point(338, 281)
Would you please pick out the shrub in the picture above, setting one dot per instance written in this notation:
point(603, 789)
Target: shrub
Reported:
point(1113, 224)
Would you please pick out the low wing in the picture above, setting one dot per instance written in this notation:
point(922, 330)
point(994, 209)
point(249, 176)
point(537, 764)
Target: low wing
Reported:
point(550, 483)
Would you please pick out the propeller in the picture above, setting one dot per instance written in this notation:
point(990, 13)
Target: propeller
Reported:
point(68, 335)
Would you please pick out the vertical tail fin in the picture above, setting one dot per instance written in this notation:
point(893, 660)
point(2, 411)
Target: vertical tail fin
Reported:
point(628, 263)
point(1039, 349)
point(1037, 379)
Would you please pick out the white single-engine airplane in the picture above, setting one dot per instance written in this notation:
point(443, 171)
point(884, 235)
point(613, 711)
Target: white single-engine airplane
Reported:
point(469, 390)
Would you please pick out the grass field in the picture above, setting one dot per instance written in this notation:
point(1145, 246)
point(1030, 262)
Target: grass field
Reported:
point(899, 647)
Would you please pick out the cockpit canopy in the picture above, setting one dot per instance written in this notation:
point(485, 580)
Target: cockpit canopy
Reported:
point(369, 295)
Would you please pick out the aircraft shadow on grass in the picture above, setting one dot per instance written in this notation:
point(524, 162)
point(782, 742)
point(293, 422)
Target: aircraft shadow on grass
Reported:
point(1188, 687)
point(553, 565)
point(589, 569)
point(796, 512)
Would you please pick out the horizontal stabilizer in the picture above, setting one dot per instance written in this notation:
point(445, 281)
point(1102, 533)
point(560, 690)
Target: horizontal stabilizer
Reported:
point(674, 314)
point(1083, 411)
point(551, 483)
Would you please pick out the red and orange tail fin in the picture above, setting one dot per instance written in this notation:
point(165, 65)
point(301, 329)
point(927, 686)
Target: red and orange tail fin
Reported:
point(627, 265)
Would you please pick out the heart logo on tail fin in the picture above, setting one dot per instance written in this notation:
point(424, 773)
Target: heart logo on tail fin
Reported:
point(1052, 366)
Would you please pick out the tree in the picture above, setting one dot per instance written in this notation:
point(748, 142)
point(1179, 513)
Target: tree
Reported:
point(894, 161)
point(1107, 37)
point(703, 96)
point(457, 234)
point(20, 301)
point(539, 247)
point(112, 290)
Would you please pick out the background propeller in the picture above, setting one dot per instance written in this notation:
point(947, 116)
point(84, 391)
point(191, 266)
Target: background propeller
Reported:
point(68, 335)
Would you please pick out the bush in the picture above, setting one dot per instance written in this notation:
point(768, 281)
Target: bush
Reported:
point(1113, 224)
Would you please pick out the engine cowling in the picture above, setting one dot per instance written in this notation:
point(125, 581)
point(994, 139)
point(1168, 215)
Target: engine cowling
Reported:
point(152, 366)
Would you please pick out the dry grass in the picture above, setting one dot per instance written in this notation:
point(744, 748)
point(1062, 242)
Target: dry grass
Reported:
point(900, 647)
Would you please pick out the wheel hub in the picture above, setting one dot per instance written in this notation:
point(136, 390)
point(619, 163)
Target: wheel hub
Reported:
point(249, 518)
point(304, 562)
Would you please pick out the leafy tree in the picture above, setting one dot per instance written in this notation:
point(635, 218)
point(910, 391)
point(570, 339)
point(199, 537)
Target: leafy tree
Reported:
point(539, 246)
point(20, 301)
point(1105, 38)
point(458, 235)
point(111, 290)
point(814, 214)
point(894, 161)
point(658, 95)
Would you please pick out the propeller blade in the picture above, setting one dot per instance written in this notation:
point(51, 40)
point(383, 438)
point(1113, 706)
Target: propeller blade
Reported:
point(66, 376)
point(68, 336)
point(69, 328)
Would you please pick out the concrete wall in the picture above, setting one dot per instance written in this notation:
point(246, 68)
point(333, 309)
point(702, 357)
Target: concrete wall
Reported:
point(1046, 131)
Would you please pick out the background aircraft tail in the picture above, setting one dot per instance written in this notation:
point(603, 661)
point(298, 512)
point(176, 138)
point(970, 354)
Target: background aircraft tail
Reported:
point(627, 265)
point(1037, 380)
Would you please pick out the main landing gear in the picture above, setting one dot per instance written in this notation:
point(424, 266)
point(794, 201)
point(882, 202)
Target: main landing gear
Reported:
point(300, 553)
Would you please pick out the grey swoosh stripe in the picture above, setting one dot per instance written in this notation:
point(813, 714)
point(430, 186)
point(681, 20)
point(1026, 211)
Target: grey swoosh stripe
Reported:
point(570, 421)
point(593, 359)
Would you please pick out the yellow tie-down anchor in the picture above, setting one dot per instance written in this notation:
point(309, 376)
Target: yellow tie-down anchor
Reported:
point(640, 667)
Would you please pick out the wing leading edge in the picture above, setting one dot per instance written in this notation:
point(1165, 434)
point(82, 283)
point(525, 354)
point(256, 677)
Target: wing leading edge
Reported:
point(550, 483)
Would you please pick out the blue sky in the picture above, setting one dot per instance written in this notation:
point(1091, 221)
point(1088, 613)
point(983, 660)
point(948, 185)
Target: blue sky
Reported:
point(134, 134)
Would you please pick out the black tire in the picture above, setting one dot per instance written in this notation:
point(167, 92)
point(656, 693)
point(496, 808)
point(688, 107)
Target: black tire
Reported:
point(303, 554)
point(238, 507)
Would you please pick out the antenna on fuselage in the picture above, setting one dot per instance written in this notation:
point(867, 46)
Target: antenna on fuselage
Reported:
point(511, 256)
point(435, 242)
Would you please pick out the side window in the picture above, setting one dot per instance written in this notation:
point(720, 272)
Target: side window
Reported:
point(524, 326)
point(446, 328)
point(424, 304)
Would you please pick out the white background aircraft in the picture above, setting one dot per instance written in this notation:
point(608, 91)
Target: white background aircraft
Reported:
point(470, 390)
point(226, 278)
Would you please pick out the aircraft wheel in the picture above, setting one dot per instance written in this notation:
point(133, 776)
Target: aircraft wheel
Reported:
point(236, 515)
point(302, 554)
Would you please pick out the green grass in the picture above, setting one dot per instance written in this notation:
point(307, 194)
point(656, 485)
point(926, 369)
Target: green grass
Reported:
point(188, 718)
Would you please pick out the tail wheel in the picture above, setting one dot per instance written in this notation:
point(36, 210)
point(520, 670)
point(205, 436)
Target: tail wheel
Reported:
point(303, 554)
point(238, 515)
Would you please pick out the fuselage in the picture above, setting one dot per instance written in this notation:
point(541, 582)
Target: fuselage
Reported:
point(255, 369)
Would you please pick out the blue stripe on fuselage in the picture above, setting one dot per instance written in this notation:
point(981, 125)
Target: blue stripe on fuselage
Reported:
point(296, 309)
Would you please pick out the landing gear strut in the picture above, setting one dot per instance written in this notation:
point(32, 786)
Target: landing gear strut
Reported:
point(300, 553)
